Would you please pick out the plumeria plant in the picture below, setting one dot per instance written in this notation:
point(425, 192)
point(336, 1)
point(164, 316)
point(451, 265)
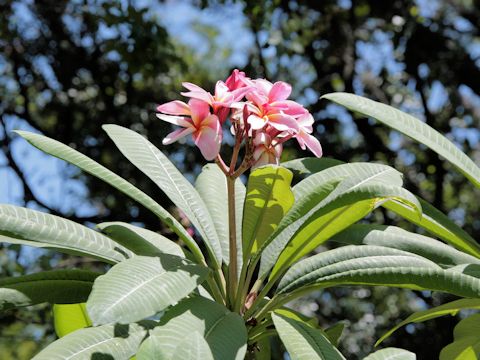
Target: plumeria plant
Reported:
point(169, 299)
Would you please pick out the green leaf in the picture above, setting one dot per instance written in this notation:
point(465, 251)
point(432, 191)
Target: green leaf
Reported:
point(451, 308)
point(66, 153)
point(30, 227)
point(211, 184)
point(153, 163)
point(334, 332)
point(298, 316)
point(224, 331)
point(397, 238)
point(412, 127)
point(141, 287)
point(437, 224)
point(268, 199)
point(139, 240)
point(193, 347)
point(375, 265)
point(304, 342)
point(466, 340)
point(310, 165)
point(69, 318)
point(352, 200)
point(114, 341)
point(56, 286)
point(314, 193)
point(391, 354)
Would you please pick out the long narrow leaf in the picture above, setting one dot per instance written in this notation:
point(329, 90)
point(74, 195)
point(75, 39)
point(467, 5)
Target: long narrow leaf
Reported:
point(314, 193)
point(412, 127)
point(224, 331)
point(438, 224)
point(142, 286)
point(66, 153)
point(56, 286)
point(399, 270)
point(114, 341)
point(211, 184)
point(451, 308)
point(397, 238)
point(268, 199)
point(304, 342)
point(139, 240)
point(28, 225)
point(153, 163)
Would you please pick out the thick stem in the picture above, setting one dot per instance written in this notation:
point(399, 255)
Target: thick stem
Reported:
point(232, 237)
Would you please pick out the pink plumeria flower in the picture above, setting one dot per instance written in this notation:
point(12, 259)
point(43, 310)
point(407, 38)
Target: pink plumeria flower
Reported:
point(205, 127)
point(305, 140)
point(221, 100)
point(237, 80)
point(266, 152)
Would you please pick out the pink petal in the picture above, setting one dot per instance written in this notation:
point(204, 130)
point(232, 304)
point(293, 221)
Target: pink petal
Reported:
point(305, 122)
point(221, 90)
point(311, 142)
point(202, 96)
point(280, 91)
point(238, 94)
point(174, 108)
point(177, 134)
point(290, 107)
point(263, 86)
point(193, 87)
point(256, 122)
point(257, 98)
point(208, 141)
point(283, 122)
point(176, 120)
point(199, 109)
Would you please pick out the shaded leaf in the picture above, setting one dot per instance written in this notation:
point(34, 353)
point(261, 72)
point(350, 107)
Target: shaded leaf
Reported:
point(55, 286)
point(141, 287)
point(391, 354)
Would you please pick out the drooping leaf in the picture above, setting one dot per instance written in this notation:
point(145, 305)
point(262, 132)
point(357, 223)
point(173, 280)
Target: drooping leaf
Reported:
point(224, 331)
point(466, 340)
point(55, 286)
point(437, 224)
point(412, 127)
point(397, 238)
point(30, 227)
point(391, 354)
point(268, 199)
point(142, 286)
point(315, 193)
point(304, 342)
point(343, 207)
point(375, 265)
point(113, 341)
point(69, 318)
point(211, 184)
point(451, 308)
point(153, 163)
point(66, 153)
point(139, 240)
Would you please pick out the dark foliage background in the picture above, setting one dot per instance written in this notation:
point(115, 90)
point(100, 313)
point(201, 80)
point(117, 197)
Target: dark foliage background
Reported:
point(69, 66)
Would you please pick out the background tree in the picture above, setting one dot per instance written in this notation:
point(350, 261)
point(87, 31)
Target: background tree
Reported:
point(67, 67)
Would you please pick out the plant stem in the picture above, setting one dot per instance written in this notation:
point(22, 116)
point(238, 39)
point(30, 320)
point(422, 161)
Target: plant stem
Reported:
point(232, 237)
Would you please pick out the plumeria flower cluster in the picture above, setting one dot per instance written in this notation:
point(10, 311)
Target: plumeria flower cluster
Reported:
point(260, 115)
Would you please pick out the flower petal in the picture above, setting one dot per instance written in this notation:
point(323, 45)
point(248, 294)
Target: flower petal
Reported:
point(199, 109)
point(177, 134)
point(256, 122)
point(283, 122)
point(175, 107)
point(279, 91)
point(176, 120)
point(311, 142)
point(208, 141)
point(202, 96)
point(289, 107)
